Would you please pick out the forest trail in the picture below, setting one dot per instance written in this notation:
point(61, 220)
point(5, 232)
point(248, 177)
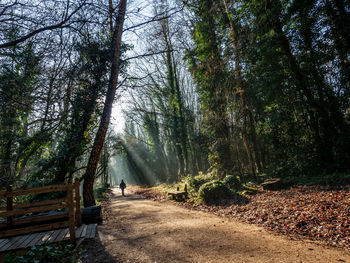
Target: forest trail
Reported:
point(142, 230)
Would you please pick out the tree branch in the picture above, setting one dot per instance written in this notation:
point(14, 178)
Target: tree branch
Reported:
point(46, 28)
point(147, 55)
point(154, 19)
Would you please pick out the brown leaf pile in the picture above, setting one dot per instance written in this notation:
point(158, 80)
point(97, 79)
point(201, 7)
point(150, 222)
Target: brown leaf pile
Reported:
point(315, 213)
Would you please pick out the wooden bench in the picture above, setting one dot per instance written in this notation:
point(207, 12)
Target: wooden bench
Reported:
point(32, 220)
point(179, 195)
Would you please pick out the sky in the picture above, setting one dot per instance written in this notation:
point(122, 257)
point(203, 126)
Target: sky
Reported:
point(118, 121)
point(138, 11)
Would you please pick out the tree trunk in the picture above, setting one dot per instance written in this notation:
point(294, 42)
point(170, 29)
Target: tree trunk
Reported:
point(241, 89)
point(174, 104)
point(255, 143)
point(245, 137)
point(89, 176)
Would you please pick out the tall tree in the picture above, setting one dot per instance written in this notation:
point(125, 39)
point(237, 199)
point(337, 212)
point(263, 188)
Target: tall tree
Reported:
point(89, 176)
point(241, 85)
point(209, 72)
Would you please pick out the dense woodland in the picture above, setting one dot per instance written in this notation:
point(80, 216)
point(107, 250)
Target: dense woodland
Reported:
point(253, 89)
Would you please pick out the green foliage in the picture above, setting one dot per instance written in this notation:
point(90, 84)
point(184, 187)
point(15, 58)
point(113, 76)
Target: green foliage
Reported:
point(288, 59)
point(55, 253)
point(90, 70)
point(19, 74)
point(214, 191)
point(208, 69)
point(232, 182)
point(292, 88)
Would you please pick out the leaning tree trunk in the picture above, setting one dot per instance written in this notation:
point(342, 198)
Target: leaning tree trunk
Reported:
point(89, 176)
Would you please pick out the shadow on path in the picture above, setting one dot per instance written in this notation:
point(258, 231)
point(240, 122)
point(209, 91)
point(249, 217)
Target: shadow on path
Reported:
point(95, 252)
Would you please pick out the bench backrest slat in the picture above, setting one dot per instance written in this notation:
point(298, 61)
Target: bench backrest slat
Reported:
point(35, 190)
point(30, 210)
point(41, 203)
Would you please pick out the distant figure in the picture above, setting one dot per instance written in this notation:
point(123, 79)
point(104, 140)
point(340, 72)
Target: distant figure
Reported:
point(122, 186)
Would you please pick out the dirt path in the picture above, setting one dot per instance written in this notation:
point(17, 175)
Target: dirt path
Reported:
point(141, 230)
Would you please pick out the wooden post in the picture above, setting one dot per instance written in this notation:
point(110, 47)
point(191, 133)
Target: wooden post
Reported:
point(77, 202)
point(9, 205)
point(71, 213)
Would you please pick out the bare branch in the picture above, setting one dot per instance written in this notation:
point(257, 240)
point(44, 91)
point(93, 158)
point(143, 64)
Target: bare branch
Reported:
point(46, 28)
point(154, 19)
point(147, 55)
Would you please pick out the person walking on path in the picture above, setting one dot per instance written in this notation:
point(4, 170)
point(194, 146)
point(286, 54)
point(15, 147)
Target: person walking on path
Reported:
point(122, 186)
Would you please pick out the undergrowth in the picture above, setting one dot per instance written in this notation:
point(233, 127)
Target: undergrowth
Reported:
point(100, 192)
point(50, 253)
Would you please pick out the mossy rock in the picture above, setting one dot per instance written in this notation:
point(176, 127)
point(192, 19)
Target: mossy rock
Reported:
point(197, 181)
point(213, 191)
point(233, 182)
